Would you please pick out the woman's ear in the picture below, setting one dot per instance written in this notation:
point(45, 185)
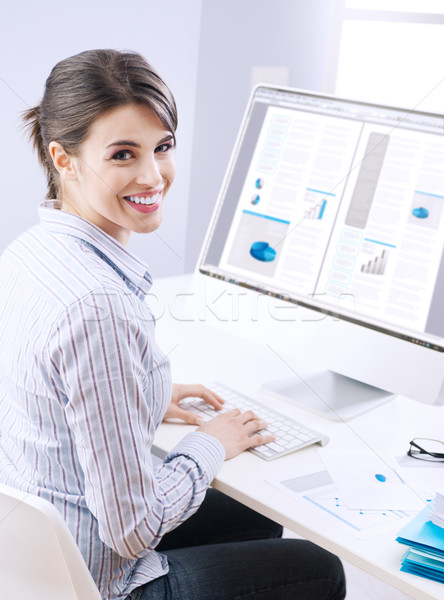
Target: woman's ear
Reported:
point(63, 162)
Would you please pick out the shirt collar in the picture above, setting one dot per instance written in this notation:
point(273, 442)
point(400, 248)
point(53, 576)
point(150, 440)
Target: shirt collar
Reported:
point(115, 254)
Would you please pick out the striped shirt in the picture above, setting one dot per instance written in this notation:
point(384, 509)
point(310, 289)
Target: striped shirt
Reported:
point(83, 387)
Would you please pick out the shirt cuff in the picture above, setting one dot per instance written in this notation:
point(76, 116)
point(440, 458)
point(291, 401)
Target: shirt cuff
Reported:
point(204, 449)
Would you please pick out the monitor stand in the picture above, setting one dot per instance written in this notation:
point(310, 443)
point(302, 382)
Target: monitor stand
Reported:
point(329, 394)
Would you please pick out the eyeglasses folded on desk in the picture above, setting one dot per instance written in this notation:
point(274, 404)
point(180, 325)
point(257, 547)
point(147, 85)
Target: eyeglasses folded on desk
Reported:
point(427, 449)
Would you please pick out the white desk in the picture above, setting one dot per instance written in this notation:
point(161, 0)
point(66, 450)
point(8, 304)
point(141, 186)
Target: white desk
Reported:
point(201, 354)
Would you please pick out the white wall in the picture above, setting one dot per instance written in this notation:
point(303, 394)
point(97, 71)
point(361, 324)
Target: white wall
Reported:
point(34, 36)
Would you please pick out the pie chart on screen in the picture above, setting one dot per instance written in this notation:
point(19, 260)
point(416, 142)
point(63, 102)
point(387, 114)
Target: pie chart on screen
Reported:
point(263, 251)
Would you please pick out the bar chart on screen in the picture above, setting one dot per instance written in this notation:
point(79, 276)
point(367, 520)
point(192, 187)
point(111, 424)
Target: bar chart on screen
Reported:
point(377, 265)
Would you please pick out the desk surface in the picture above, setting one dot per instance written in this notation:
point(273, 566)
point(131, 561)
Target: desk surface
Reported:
point(200, 354)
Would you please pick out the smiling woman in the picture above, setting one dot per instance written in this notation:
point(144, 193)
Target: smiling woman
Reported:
point(104, 151)
point(119, 185)
point(84, 87)
point(83, 384)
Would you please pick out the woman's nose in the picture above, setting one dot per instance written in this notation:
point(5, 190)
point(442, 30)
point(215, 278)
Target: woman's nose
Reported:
point(149, 173)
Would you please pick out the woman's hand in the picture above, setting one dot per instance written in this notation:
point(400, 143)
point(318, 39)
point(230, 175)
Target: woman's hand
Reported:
point(181, 391)
point(237, 431)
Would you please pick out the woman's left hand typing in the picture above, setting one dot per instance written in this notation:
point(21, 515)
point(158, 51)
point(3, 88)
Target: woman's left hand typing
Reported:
point(181, 391)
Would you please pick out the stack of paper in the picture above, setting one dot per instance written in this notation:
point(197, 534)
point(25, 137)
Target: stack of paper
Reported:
point(426, 554)
point(437, 512)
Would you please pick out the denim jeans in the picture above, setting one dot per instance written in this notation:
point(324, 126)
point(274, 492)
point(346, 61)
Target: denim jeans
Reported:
point(227, 551)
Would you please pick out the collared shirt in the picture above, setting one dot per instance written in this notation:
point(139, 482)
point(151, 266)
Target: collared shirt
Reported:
point(83, 387)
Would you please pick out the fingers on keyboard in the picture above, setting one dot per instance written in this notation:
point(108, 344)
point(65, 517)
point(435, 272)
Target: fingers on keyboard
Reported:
point(247, 416)
point(254, 426)
point(258, 439)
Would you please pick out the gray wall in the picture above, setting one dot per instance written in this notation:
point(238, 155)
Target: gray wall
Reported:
point(235, 36)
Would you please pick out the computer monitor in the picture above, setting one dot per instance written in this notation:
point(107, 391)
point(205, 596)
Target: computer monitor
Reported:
point(333, 211)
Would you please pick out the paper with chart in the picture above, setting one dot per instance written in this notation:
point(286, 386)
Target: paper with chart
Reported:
point(424, 476)
point(367, 482)
point(317, 487)
point(327, 498)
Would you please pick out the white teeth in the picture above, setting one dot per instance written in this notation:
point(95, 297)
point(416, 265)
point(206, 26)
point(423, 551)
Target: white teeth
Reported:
point(144, 200)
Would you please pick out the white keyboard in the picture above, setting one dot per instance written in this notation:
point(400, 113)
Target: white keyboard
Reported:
point(290, 435)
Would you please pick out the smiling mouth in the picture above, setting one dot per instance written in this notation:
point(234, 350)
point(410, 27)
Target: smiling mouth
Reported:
point(145, 200)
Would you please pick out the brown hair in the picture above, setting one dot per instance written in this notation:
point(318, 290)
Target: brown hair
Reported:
point(80, 89)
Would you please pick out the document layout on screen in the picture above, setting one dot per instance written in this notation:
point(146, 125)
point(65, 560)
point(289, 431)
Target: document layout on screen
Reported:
point(332, 207)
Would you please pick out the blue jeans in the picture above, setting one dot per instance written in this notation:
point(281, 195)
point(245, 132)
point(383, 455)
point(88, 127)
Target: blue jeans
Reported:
point(227, 551)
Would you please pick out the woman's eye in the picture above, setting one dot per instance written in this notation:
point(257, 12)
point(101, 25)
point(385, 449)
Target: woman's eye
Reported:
point(122, 155)
point(165, 147)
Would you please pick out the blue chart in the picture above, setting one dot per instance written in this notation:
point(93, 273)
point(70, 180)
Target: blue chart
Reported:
point(420, 212)
point(262, 251)
point(364, 522)
point(317, 212)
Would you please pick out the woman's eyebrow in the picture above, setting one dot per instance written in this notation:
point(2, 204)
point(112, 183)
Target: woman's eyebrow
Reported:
point(167, 138)
point(135, 144)
point(124, 143)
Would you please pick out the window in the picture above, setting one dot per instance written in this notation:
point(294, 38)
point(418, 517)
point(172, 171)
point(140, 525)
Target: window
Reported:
point(423, 6)
point(391, 52)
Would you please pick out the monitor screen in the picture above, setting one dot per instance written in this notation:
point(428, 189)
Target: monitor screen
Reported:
point(336, 205)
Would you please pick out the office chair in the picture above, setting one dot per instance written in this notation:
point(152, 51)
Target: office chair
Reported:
point(39, 558)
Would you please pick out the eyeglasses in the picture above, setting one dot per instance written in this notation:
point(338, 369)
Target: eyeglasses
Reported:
point(425, 449)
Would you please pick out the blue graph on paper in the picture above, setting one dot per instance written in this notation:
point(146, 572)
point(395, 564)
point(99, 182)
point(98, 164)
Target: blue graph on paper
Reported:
point(329, 501)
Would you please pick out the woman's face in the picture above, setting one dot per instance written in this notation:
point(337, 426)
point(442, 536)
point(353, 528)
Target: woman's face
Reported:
point(123, 172)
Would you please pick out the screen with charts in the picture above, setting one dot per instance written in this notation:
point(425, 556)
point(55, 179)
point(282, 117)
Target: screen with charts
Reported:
point(327, 199)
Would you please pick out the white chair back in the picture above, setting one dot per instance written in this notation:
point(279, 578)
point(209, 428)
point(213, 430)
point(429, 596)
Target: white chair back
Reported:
point(39, 558)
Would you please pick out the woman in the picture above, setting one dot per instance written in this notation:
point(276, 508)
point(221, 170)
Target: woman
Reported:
point(84, 385)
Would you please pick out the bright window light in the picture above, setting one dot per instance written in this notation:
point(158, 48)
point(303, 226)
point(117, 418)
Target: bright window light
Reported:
point(392, 63)
point(417, 6)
